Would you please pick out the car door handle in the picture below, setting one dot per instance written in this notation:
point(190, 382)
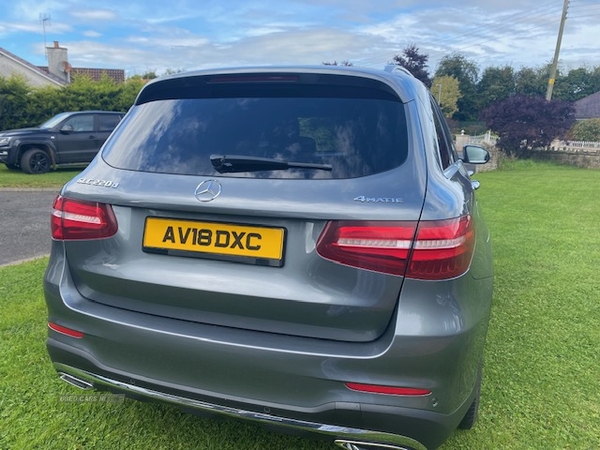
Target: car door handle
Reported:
point(92, 136)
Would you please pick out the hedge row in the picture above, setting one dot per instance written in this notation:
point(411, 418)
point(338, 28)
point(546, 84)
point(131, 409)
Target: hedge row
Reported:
point(22, 105)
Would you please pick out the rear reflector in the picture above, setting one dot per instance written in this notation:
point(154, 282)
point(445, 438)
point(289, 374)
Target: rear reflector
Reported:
point(387, 390)
point(78, 219)
point(64, 330)
point(433, 250)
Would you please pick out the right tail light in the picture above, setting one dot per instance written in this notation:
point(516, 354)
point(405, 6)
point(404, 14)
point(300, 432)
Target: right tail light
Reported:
point(427, 250)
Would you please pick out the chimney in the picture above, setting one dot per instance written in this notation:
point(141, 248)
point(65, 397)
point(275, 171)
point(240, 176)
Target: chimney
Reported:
point(58, 62)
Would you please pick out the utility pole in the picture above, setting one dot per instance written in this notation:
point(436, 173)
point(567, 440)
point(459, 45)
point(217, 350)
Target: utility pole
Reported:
point(557, 52)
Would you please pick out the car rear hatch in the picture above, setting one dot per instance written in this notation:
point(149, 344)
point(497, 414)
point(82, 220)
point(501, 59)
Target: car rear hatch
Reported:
point(255, 201)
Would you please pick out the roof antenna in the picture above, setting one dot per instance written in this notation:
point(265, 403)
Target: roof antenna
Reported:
point(45, 18)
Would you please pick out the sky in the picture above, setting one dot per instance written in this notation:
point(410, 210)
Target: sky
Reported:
point(182, 35)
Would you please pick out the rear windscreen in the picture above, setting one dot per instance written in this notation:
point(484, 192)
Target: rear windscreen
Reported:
point(356, 134)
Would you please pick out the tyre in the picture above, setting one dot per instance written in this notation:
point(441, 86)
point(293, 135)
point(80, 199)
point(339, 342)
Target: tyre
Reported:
point(12, 166)
point(35, 161)
point(470, 418)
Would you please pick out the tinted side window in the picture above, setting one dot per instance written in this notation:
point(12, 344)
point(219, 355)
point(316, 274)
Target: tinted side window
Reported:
point(446, 149)
point(82, 122)
point(357, 136)
point(107, 122)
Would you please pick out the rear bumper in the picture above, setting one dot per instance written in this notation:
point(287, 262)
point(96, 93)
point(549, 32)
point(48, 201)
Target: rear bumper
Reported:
point(297, 384)
point(339, 434)
point(338, 421)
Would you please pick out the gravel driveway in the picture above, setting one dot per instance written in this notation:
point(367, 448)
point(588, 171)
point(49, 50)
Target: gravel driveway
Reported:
point(25, 223)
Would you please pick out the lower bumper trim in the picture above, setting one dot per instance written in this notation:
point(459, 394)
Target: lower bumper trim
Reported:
point(360, 438)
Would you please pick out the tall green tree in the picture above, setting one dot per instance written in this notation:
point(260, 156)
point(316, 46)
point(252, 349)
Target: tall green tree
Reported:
point(496, 84)
point(415, 63)
point(466, 72)
point(446, 91)
point(578, 83)
point(595, 79)
point(531, 81)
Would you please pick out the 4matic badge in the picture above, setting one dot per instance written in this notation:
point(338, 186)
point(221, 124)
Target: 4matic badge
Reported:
point(363, 199)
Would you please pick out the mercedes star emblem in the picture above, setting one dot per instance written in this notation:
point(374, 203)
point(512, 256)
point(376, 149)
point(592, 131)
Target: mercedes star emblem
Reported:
point(208, 190)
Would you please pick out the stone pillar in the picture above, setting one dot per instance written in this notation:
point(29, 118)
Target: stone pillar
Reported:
point(461, 140)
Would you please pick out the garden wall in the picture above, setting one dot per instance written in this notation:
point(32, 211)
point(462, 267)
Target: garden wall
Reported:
point(579, 154)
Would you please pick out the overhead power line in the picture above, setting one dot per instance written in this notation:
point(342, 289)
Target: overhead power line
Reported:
point(541, 14)
point(525, 22)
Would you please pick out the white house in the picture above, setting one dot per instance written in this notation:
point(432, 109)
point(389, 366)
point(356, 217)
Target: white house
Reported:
point(11, 64)
point(57, 73)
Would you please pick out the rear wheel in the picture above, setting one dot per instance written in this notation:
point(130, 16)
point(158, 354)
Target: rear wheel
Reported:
point(12, 166)
point(471, 416)
point(35, 161)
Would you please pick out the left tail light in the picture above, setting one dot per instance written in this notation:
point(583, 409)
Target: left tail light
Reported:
point(78, 219)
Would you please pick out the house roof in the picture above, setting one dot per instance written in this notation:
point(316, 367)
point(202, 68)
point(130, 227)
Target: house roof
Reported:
point(117, 75)
point(52, 78)
point(588, 107)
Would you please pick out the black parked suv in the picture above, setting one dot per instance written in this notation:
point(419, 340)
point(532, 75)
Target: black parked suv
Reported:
point(67, 138)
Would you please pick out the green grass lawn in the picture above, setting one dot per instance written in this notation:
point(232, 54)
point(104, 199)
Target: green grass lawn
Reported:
point(52, 179)
point(541, 386)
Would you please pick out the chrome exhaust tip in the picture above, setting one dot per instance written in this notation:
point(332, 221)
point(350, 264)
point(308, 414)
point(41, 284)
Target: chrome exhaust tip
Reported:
point(356, 445)
point(77, 382)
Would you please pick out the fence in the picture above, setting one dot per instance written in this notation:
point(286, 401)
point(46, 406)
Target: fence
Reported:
point(481, 139)
point(574, 146)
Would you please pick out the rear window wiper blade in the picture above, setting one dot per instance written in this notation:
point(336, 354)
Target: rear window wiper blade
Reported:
point(240, 163)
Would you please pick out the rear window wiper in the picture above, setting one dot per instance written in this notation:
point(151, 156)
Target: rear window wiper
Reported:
point(240, 163)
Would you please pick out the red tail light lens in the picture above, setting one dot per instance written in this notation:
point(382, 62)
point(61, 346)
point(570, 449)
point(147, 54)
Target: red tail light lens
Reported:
point(443, 249)
point(379, 246)
point(440, 250)
point(78, 219)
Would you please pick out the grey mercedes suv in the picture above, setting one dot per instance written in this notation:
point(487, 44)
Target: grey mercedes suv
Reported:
point(296, 246)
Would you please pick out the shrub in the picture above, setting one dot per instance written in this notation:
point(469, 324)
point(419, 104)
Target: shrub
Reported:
point(585, 130)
